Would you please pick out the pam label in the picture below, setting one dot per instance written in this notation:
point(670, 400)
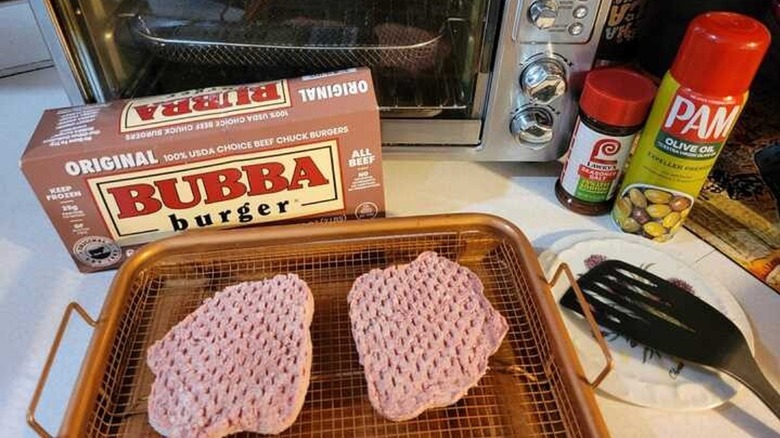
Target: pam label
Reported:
point(703, 120)
point(695, 126)
point(197, 105)
point(261, 187)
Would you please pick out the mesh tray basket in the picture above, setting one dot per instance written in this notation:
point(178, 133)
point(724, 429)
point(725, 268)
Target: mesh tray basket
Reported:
point(534, 385)
point(409, 35)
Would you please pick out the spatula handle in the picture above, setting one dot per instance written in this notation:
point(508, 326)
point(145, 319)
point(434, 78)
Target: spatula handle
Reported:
point(746, 370)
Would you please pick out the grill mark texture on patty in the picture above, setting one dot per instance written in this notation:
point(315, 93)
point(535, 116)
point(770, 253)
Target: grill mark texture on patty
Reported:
point(240, 362)
point(424, 332)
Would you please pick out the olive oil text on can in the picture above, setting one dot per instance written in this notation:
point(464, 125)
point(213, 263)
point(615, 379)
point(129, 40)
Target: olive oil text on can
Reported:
point(698, 103)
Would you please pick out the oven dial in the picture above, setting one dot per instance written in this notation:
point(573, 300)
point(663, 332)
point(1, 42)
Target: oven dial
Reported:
point(532, 125)
point(543, 80)
point(543, 13)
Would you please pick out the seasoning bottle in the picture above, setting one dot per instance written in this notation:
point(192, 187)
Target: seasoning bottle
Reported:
point(619, 37)
point(698, 103)
point(613, 107)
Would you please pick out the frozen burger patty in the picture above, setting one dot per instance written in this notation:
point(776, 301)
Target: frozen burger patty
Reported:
point(240, 362)
point(424, 332)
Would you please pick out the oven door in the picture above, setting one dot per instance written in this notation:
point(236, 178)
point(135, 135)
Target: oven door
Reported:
point(431, 59)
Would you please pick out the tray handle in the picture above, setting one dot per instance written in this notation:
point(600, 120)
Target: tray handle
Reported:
point(50, 360)
point(563, 268)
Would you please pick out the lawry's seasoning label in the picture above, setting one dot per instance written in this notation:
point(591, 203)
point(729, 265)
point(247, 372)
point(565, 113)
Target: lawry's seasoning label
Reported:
point(594, 163)
point(114, 176)
point(613, 105)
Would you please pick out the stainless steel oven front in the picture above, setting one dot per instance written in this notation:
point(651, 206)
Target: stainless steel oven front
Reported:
point(455, 79)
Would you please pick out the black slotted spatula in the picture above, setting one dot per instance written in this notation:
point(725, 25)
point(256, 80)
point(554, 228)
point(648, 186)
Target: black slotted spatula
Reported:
point(660, 315)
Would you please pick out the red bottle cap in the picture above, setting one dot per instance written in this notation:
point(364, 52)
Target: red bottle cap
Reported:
point(617, 96)
point(720, 53)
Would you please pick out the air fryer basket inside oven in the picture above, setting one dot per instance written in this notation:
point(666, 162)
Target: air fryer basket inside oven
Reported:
point(409, 35)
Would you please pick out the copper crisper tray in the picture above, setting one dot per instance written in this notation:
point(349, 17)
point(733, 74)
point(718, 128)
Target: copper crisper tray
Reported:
point(534, 387)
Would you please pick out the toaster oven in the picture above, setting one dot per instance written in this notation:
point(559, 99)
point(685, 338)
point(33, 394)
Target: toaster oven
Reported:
point(455, 79)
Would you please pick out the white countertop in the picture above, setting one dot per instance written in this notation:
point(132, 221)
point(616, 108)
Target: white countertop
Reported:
point(38, 278)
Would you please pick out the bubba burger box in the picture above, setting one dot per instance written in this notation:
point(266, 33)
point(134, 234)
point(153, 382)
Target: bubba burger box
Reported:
point(114, 176)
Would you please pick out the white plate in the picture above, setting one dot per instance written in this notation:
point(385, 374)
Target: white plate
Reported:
point(641, 375)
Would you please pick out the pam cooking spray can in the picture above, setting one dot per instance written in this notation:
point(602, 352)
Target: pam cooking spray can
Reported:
point(697, 105)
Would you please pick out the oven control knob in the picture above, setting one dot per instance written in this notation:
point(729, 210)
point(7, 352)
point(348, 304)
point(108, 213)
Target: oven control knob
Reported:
point(532, 125)
point(543, 13)
point(543, 80)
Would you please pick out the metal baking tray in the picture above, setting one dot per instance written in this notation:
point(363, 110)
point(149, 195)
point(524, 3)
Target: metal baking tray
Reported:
point(534, 387)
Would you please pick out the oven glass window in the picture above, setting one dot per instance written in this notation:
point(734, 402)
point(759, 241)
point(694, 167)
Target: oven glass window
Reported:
point(425, 55)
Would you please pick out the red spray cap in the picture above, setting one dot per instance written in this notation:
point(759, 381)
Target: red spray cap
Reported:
point(720, 53)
